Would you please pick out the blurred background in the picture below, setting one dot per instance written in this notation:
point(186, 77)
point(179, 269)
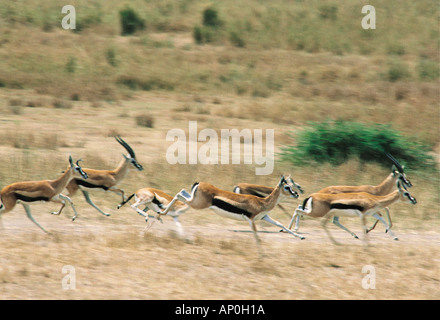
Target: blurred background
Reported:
point(337, 95)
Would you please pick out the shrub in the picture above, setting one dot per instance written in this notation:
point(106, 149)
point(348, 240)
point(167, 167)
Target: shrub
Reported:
point(71, 65)
point(337, 141)
point(145, 120)
point(328, 11)
point(198, 35)
point(130, 21)
point(110, 55)
point(397, 71)
point(211, 19)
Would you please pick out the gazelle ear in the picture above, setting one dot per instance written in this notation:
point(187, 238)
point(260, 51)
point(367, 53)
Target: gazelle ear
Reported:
point(125, 157)
point(70, 161)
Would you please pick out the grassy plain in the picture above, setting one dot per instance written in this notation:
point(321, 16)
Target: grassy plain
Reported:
point(64, 92)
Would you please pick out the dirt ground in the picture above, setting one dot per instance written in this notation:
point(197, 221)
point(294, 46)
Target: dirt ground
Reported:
point(116, 258)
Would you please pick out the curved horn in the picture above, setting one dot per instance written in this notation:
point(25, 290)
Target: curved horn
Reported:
point(78, 163)
point(396, 163)
point(126, 146)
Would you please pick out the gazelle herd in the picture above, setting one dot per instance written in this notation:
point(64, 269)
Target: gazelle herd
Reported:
point(248, 202)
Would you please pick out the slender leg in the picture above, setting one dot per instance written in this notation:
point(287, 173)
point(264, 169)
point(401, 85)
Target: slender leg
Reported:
point(63, 204)
point(178, 225)
point(336, 222)
point(276, 223)
point(182, 195)
point(254, 230)
point(29, 215)
point(379, 218)
point(66, 198)
point(365, 228)
point(324, 221)
point(89, 201)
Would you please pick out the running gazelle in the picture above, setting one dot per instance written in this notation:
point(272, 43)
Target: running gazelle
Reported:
point(107, 180)
point(156, 200)
point(263, 191)
point(384, 188)
point(29, 192)
point(236, 206)
point(362, 204)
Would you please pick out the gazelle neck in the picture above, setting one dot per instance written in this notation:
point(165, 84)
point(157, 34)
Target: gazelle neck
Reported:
point(60, 183)
point(121, 170)
point(272, 199)
point(387, 200)
point(387, 185)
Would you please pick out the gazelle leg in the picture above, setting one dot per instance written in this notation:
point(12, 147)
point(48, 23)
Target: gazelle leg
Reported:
point(324, 222)
point(365, 229)
point(29, 215)
point(182, 195)
point(296, 215)
point(66, 198)
point(89, 201)
point(379, 218)
point(336, 222)
point(254, 230)
point(63, 204)
point(178, 225)
point(276, 223)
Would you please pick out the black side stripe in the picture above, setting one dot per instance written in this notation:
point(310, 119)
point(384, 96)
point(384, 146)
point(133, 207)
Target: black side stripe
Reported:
point(89, 185)
point(30, 199)
point(157, 202)
point(229, 207)
point(346, 206)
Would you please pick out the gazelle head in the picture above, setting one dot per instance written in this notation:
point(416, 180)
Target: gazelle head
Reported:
point(76, 169)
point(397, 171)
point(288, 187)
point(131, 158)
point(405, 196)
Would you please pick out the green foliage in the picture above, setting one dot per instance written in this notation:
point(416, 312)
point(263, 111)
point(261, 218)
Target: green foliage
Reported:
point(211, 19)
point(130, 21)
point(110, 55)
point(428, 70)
point(71, 65)
point(211, 30)
point(397, 71)
point(337, 141)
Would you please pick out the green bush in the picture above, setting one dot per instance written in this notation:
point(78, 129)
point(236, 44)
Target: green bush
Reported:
point(211, 19)
point(337, 141)
point(130, 21)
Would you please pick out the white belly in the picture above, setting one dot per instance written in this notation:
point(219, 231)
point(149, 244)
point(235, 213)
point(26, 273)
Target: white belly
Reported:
point(227, 214)
point(345, 213)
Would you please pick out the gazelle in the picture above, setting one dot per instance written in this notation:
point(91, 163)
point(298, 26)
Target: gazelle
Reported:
point(360, 204)
point(106, 180)
point(236, 206)
point(45, 190)
point(156, 200)
point(382, 189)
point(263, 191)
